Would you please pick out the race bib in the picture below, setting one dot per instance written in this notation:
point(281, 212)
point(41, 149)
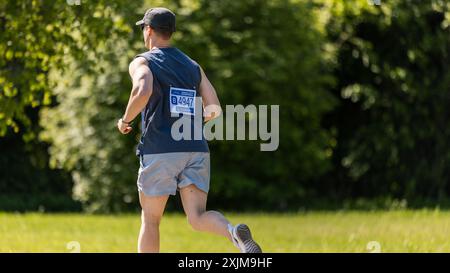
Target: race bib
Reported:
point(182, 101)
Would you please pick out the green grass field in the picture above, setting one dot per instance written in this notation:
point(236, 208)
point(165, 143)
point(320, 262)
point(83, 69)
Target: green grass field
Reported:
point(395, 231)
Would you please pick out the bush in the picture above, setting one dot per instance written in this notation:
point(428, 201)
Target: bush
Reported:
point(393, 81)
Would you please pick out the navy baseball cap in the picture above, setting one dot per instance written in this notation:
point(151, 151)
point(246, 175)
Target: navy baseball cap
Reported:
point(159, 18)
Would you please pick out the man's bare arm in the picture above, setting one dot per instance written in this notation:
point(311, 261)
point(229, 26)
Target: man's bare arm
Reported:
point(141, 91)
point(211, 102)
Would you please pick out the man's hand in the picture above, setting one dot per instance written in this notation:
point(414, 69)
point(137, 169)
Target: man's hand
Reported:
point(123, 127)
point(210, 100)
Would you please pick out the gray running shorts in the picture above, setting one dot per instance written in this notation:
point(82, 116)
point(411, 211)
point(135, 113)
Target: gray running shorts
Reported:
point(164, 174)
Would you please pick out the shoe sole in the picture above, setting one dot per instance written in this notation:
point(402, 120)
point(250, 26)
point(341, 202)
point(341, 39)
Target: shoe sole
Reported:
point(245, 240)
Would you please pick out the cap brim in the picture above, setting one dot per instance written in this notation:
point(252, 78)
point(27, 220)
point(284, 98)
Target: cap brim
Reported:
point(140, 22)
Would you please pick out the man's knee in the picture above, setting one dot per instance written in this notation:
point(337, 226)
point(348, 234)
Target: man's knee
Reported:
point(149, 218)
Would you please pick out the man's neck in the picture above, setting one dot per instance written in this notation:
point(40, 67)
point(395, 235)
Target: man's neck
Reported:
point(159, 44)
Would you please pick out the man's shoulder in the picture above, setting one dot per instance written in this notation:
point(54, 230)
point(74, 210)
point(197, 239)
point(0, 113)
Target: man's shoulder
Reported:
point(143, 56)
point(136, 63)
point(140, 60)
point(186, 56)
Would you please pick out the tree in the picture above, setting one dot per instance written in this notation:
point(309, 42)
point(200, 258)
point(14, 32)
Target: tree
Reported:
point(37, 36)
point(393, 80)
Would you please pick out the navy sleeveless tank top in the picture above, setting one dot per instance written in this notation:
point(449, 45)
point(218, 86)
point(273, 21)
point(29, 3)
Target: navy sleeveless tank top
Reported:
point(176, 81)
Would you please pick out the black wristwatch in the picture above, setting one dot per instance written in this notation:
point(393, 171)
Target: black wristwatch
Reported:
point(127, 123)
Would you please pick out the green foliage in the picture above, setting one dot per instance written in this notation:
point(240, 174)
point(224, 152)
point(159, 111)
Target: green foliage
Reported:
point(394, 78)
point(39, 39)
point(26, 182)
point(37, 36)
point(82, 130)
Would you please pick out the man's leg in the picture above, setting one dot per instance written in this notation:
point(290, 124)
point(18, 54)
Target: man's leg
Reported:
point(194, 204)
point(152, 211)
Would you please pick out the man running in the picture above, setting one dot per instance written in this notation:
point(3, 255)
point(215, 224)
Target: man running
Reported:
point(165, 85)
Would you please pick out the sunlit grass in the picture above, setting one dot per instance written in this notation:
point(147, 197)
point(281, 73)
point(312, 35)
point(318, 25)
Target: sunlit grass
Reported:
point(395, 231)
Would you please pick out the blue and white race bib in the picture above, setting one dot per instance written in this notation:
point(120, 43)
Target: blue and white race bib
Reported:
point(182, 101)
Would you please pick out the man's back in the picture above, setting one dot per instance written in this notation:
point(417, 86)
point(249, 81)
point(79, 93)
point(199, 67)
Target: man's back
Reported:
point(176, 82)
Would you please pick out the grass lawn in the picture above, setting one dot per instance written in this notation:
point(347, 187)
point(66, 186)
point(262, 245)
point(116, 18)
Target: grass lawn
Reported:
point(393, 231)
